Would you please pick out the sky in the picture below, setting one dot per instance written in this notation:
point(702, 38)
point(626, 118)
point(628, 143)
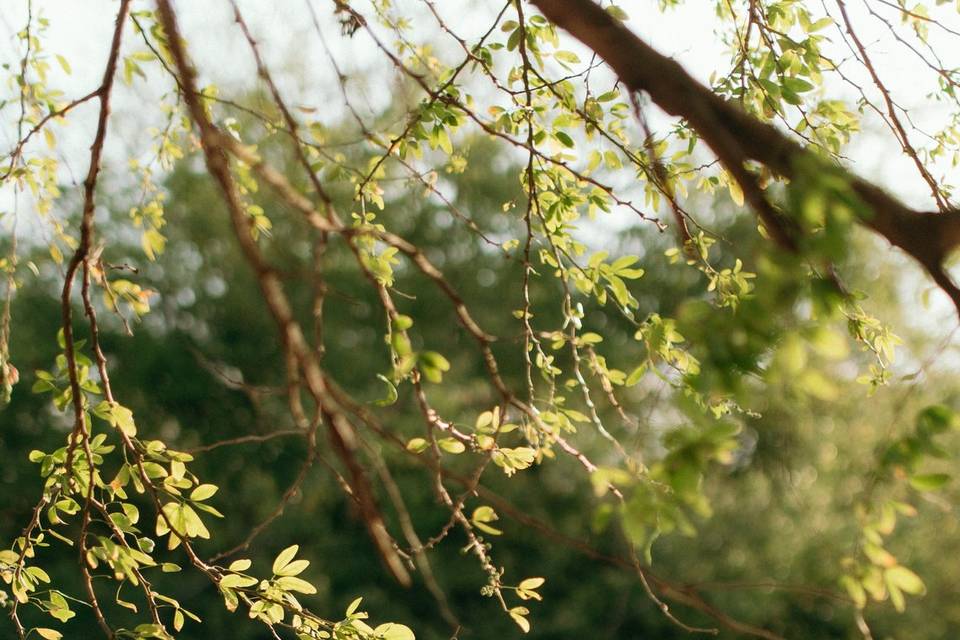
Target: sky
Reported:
point(80, 31)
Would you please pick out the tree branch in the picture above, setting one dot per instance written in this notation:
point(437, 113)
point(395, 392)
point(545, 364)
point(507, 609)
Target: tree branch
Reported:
point(737, 137)
point(340, 431)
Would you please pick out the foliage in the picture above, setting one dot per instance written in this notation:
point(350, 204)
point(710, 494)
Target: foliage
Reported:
point(461, 241)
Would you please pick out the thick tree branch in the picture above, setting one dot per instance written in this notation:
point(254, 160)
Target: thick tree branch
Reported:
point(737, 137)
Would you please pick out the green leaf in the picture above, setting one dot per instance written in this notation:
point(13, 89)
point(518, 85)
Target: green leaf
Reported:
point(284, 558)
point(118, 416)
point(622, 16)
point(905, 580)
point(896, 597)
point(564, 139)
point(294, 568)
point(194, 525)
point(451, 445)
point(393, 631)
point(353, 606)
point(402, 322)
point(929, 481)
point(433, 365)
point(566, 56)
point(240, 565)
point(126, 605)
point(290, 583)
point(203, 491)
point(822, 23)
point(513, 40)
point(481, 518)
point(797, 85)
point(856, 591)
point(519, 616)
point(64, 64)
point(443, 141)
point(636, 375)
point(392, 394)
point(736, 193)
point(936, 419)
point(234, 580)
point(417, 445)
point(532, 583)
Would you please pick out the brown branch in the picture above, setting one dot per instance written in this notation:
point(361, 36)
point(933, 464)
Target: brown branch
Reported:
point(283, 433)
point(737, 137)
point(685, 594)
point(89, 205)
point(340, 430)
point(79, 436)
point(292, 490)
point(891, 109)
point(17, 151)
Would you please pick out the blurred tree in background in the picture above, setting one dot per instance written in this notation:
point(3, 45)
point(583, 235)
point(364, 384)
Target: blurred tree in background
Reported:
point(442, 359)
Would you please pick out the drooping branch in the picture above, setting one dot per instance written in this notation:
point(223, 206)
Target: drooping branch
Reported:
point(341, 432)
point(737, 137)
point(81, 260)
